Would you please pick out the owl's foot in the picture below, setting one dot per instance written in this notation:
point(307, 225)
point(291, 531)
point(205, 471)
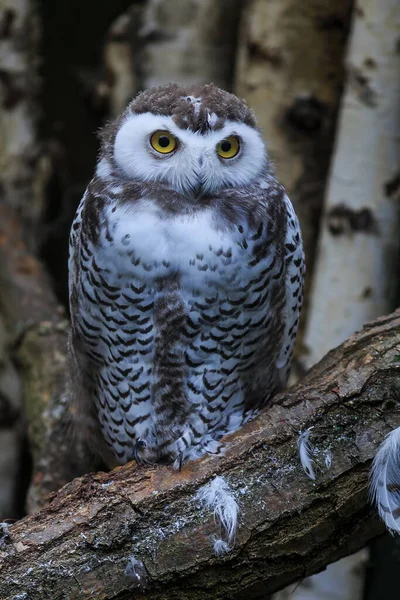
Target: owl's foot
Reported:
point(182, 447)
point(206, 445)
point(211, 446)
point(178, 464)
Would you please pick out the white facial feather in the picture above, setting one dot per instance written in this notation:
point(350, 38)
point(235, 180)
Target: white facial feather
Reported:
point(385, 481)
point(195, 162)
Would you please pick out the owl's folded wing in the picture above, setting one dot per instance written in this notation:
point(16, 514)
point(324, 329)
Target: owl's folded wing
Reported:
point(295, 271)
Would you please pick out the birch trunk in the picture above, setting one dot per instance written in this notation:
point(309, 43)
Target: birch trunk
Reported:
point(356, 274)
point(290, 69)
point(184, 41)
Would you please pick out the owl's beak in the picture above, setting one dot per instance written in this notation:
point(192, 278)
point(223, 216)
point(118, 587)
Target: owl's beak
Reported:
point(197, 191)
point(197, 187)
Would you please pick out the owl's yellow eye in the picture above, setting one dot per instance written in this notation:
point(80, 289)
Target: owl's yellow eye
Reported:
point(163, 141)
point(229, 147)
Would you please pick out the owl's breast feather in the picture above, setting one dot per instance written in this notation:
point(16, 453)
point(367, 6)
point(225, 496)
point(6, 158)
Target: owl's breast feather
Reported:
point(191, 245)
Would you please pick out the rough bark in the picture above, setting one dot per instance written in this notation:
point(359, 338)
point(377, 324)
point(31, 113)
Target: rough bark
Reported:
point(290, 69)
point(87, 539)
point(360, 244)
point(185, 41)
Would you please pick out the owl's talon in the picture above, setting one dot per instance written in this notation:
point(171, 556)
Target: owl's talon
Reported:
point(180, 461)
point(139, 445)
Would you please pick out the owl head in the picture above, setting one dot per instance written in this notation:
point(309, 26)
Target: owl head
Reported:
point(196, 141)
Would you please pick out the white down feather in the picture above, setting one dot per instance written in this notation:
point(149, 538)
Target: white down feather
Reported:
point(385, 481)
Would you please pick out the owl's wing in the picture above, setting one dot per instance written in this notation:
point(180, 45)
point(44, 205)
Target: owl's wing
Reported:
point(74, 253)
point(77, 362)
point(294, 282)
point(82, 412)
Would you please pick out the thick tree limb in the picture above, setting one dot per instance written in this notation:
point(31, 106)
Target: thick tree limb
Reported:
point(84, 542)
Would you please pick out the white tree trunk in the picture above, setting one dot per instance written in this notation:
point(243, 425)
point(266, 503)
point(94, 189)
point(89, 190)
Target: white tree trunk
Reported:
point(290, 70)
point(189, 41)
point(181, 41)
point(357, 268)
point(357, 262)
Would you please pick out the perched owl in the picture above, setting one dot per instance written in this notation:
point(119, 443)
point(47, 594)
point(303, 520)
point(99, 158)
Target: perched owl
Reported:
point(186, 277)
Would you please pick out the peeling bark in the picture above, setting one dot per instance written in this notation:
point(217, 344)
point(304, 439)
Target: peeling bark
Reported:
point(91, 536)
point(357, 268)
point(290, 69)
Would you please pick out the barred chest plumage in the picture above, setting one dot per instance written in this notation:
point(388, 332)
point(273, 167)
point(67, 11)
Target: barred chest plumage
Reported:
point(181, 318)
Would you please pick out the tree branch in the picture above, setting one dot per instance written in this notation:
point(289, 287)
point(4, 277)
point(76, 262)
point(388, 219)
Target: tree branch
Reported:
point(86, 542)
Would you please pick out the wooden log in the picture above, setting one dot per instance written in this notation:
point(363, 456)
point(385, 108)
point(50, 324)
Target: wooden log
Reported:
point(115, 535)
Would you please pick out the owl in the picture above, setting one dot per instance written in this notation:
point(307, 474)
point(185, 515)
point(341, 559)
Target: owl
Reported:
point(186, 279)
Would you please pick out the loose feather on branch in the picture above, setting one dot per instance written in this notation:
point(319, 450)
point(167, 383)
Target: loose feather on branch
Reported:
point(385, 481)
point(217, 496)
point(305, 453)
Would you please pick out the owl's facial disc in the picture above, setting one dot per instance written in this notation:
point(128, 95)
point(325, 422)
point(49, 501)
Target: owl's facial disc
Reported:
point(151, 147)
